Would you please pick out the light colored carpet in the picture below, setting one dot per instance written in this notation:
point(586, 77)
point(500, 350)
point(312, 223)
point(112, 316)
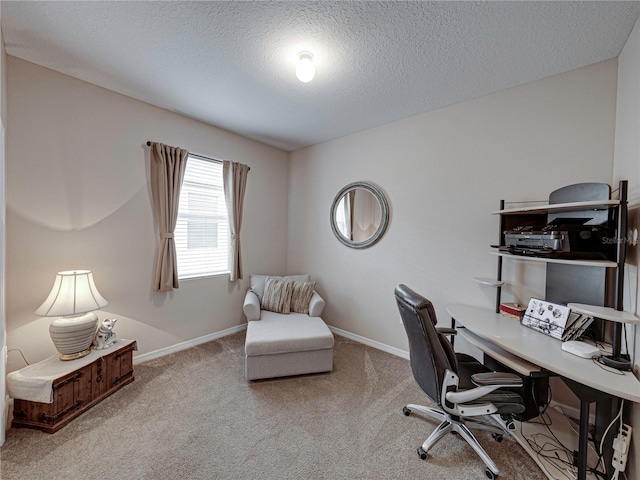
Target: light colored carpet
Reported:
point(192, 415)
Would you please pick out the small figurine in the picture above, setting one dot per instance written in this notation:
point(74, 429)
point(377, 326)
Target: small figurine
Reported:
point(105, 336)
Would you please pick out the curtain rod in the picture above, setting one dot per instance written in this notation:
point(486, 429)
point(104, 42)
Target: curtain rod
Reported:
point(197, 155)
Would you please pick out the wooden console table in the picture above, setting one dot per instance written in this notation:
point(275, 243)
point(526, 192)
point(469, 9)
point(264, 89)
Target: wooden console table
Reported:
point(72, 386)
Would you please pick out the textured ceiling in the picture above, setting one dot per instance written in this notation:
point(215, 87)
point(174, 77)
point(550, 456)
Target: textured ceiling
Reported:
point(231, 64)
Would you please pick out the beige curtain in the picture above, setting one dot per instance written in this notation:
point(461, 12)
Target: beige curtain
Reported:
point(235, 183)
point(167, 171)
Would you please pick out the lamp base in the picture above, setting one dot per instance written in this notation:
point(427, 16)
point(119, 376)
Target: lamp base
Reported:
point(74, 356)
point(73, 335)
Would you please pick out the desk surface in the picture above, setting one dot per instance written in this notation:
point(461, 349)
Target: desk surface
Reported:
point(545, 351)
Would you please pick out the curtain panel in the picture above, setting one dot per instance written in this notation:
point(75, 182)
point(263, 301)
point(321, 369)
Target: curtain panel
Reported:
point(167, 171)
point(351, 197)
point(235, 182)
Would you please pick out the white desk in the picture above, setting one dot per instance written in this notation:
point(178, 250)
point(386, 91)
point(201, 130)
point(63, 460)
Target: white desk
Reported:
point(491, 329)
point(544, 351)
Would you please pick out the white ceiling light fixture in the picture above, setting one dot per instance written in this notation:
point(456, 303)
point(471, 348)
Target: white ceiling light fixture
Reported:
point(305, 69)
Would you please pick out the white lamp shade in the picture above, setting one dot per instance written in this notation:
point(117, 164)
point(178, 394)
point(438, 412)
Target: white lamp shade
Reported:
point(73, 293)
point(305, 69)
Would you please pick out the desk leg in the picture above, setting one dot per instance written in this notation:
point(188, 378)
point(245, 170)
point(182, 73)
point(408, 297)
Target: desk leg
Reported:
point(583, 440)
point(587, 395)
point(453, 325)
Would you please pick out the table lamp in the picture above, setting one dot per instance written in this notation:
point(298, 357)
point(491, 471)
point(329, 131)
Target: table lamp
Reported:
point(73, 298)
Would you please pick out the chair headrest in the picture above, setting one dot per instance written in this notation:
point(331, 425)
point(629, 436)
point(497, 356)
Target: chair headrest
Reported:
point(413, 300)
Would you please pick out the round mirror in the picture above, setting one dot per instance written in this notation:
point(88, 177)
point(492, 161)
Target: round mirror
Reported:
point(359, 215)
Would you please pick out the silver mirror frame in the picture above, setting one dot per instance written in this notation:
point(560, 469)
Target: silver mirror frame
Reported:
point(384, 217)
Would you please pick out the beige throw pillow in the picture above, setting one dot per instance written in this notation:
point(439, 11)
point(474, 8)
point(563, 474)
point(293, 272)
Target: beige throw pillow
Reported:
point(301, 296)
point(277, 295)
point(258, 281)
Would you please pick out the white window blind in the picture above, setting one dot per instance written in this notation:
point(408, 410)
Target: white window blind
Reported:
point(202, 229)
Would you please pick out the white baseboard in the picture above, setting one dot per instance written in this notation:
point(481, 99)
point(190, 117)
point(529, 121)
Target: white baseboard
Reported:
point(145, 357)
point(372, 343)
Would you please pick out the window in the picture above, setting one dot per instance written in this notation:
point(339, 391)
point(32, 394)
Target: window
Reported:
point(202, 229)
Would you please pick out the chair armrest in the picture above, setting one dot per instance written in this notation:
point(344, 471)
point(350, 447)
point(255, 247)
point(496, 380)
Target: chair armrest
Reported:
point(465, 396)
point(251, 306)
point(491, 381)
point(447, 331)
point(499, 379)
point(316, 305)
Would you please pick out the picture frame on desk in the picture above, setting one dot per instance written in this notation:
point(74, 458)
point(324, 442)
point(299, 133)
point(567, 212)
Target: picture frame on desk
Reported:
point(547, 317)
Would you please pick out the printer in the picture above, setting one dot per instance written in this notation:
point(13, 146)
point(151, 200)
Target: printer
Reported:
point(571, 238)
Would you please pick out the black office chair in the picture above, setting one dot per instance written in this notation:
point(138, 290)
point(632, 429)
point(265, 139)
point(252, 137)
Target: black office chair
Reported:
point(460, 385)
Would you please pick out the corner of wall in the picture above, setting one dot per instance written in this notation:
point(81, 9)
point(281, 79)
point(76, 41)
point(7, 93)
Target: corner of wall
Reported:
point(625, 165)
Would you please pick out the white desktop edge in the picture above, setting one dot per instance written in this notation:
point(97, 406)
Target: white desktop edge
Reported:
point(527, 344)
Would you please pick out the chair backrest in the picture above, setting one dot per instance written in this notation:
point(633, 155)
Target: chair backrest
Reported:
point(430, 352)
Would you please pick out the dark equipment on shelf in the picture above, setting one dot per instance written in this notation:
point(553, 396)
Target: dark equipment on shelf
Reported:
point(563, 237)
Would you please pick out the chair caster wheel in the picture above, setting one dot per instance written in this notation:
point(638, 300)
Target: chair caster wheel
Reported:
point(406, 411)
point(489, 474)
point(497, 437)
point(422, 453)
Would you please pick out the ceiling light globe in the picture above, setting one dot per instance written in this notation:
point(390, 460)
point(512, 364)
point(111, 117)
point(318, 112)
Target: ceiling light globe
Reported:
point(305, 69)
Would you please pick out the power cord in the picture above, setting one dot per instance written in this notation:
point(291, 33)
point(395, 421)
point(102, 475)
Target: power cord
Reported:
point(598, 361)
point(549, 447)
point(551, 455)
point(572, 424)
point(20, 352)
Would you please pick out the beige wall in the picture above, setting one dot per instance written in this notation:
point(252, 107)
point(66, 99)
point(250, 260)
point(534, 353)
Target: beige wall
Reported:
point(627, 165)
point(78, 197)
point(443, 173)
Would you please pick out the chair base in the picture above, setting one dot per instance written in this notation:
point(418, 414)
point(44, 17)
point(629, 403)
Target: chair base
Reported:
point(449, 424)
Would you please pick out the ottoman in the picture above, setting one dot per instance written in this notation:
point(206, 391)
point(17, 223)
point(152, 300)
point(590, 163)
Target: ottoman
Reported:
point(283, 345)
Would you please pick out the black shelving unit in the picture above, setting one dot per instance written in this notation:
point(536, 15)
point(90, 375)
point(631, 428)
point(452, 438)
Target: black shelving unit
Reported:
point(583, 281)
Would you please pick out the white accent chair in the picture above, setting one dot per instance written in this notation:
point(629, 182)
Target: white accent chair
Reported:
point(281, 345)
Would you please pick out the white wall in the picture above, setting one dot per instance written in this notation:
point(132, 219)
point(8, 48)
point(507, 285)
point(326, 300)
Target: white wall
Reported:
point(443, 173)
point(78, 197)
point(627, 165)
